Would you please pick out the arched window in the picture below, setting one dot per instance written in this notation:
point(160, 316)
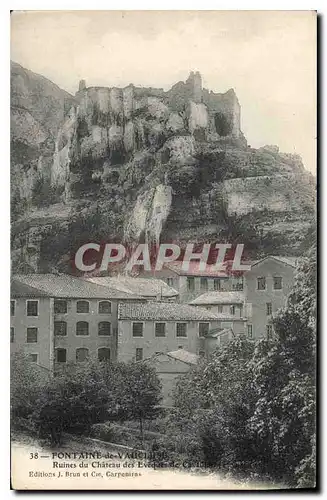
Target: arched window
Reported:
point(104, 328)
point(82, 328)
point(104, 354)
point(104, 307)
point(82, 354)
point(82, 306)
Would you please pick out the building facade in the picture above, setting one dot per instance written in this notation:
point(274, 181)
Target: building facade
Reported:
point(194, 282)
point(267, 287)
point(147, 329)
point(265, 290)
point(60, 319)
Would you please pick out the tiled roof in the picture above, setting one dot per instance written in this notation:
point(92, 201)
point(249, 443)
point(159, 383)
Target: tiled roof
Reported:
point(185, 356)
point(164, 311)
point(64, 286)
point(144, 287)
point(211, 298)
point(217, 332)
point(180, 355)
point(193, 270)
point(288, 260)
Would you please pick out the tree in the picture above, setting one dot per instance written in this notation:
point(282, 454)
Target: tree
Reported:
point(219, 397)
point(140, 392)
point(27, 380)
point(284, 378)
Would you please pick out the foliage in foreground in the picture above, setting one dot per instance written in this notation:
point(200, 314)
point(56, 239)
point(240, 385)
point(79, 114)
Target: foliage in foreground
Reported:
point(82, 395)
point(251, 409)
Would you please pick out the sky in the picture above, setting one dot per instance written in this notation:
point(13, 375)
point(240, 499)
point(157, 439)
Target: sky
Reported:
point(268, 57)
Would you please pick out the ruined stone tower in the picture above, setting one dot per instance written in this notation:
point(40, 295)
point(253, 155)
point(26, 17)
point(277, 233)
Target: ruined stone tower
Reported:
point(194, 82)
point(82, 85)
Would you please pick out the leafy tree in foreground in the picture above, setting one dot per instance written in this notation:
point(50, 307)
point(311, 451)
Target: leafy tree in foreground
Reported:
point(26, 383)
point(284, 418)
point(82, 395)
point(140, 392)
point(253, 405)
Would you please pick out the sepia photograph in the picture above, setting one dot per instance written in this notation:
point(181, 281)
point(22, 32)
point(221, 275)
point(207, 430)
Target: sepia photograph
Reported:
point(163, 219)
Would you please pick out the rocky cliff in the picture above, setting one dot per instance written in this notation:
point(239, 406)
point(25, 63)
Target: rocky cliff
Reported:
point(134, 164)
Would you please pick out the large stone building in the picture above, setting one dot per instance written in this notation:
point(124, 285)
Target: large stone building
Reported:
point(57, 319)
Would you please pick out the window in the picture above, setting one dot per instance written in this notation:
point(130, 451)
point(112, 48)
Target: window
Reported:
point(32, 358)
point(250, 331)
point(269, 330)
point(204, 284)
point(137, 329)
point(217, 284)
point(82, 354)
point(105, 307)
point(232, 310)
point(31, 337)
point(60, 306)
point(190, 284)
point(170, 281)
point(82, 328)
point(261, 283)
point(61, 355)
point(139, 354)
point(181, 330)
point(237, 283)
point(203, 329)
point(12, 334)
point(60, 328)
point(12, 307)
point(104, 328)
point(160, 329)
point(82, 306)
point(278, 283)
point(220, 308)
point(104, 354)
point(269, 308)
point(32, 307)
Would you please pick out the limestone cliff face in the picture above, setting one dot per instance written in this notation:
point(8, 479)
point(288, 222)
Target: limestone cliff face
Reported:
point(137, 164)
point(38, 109)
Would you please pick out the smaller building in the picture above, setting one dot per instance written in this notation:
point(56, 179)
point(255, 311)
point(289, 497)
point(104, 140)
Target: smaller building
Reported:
point(228, 308)
point(169, 367)
point(153, 327)
point(194, 281)
point(217, 338)
point(149, 289)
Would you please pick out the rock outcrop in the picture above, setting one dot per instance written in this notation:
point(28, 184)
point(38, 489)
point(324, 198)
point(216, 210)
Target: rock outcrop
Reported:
point(143, 163)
